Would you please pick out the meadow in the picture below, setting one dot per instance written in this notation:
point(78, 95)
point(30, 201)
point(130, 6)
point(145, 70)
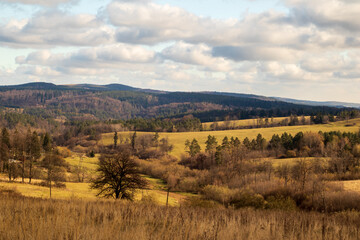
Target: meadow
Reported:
point(33, 218)
point(156, 190)
point(246, 122)
point(178, 138)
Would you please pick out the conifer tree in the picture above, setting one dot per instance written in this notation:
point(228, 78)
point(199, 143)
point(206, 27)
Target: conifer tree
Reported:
point(116, 138)
point(33, 150)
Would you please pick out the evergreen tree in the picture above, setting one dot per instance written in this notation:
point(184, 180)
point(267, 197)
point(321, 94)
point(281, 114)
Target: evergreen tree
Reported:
point(225, 143)
point(247, 143)
point(155, 140)
point(47, 143)
point(115, 139)
point(4, 149)
point(287, 141)
point(33, 150)
point(211, 144)
point(133, 141)
point(18, 151)
point(194, 148)
point(260, 142)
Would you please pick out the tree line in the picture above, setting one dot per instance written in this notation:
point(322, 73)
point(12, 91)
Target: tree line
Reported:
point(30, 155)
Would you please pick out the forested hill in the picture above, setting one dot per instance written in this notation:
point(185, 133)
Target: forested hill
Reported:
point(116, 101)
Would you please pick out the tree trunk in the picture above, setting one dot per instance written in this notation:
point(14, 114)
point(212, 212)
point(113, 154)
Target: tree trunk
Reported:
point(30, 171)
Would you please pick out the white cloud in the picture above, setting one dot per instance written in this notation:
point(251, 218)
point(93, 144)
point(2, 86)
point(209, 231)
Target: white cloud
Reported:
point(39, 2)
point(56, 28)
point(99, 57)
point(199, 54)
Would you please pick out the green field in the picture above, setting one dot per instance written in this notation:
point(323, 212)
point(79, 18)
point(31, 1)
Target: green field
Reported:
point(178, 139)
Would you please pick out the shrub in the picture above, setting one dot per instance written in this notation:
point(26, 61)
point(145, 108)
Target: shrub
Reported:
point(290, 154)
point(200, 202)
point(247, 198)
point(283, 203)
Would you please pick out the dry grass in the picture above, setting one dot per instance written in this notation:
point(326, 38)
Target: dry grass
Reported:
point(178, 139)
point(247, 122)
point(83, 161)
point(73, 190)
point(24, 218)
point(276, 162)
point(352, 185)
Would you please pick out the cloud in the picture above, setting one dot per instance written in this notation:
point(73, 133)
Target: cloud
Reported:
point(253, 53)
point(56, 28)
point(47, 3)
point(99, 57)
point(335, 14)
point(199, 55)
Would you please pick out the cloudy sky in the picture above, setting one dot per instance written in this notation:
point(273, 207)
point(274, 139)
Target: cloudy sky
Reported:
point(304, 49)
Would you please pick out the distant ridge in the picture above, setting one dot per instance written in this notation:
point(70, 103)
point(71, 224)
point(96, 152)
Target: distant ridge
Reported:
point(122, 87)
point(32, 86)
point(318, 103)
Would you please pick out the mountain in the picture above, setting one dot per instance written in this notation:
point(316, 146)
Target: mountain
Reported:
point(32, 86)
point(316, 103)
point(117, 101)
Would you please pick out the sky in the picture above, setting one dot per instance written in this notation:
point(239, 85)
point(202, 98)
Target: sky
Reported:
point(298, 49)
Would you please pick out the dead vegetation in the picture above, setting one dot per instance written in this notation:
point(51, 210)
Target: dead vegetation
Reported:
point(31, 218)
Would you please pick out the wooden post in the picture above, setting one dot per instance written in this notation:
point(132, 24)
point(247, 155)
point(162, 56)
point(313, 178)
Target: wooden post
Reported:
point(167, 197)
point(23, 168)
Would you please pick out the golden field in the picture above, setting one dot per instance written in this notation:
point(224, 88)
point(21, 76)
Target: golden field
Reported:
point(248, 122)
point(156, 190)
point(178, 138)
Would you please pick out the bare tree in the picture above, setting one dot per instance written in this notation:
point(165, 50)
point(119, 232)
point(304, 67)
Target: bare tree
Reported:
point(117, 176)
point(55, 167)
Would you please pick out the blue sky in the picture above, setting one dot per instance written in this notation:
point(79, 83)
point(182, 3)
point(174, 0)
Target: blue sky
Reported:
point(288, 48)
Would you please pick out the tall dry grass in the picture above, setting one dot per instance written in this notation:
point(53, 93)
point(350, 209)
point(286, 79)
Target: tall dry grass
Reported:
point(31, 218)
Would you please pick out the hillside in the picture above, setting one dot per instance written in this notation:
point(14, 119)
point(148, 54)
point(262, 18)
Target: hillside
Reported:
point(178, 139)
point(116, 101)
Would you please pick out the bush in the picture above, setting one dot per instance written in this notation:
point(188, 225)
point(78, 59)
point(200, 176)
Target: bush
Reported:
point(235, 197)
point(246, 198)
point(290, 154)
point(282, 203)
point(200, 202)
point(220, 194)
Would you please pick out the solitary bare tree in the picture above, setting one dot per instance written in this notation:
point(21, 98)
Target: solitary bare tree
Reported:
point(117, 176)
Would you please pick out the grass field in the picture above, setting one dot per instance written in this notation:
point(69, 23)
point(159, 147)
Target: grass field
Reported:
point(247, 122)
point(155, 192)
point(178, 139)
point(84, 161)
point(276, 162)
point(156, 189)
point(352, 185)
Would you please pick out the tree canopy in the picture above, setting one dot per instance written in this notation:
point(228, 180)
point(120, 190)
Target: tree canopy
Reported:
point(117, 176)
